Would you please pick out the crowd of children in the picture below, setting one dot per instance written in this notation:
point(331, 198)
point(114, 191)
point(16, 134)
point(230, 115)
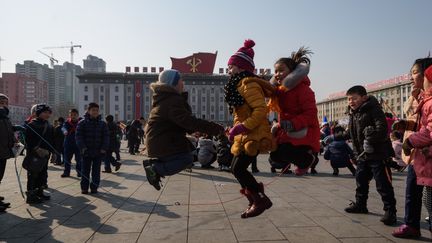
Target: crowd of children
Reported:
point(370, 145)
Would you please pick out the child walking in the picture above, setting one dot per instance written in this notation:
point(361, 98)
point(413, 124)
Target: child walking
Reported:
point(245, 94)
point(92, 138)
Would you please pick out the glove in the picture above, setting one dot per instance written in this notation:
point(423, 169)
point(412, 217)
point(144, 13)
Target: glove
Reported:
point(407, 147)
point(367, 147)
point(42, 152)
point(399, 125)
point(236, 130)
point(287, 125)
point(329, 139)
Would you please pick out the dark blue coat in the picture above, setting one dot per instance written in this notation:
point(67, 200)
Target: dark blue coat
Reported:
point(339, 153)
point(70, 127)
point(92, 135)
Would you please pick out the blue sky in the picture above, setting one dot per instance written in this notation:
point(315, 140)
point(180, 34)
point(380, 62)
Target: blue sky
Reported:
point(355, 42)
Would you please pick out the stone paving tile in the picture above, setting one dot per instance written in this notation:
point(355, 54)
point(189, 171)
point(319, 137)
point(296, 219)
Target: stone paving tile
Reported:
point(343, 227)
point(122, 237)
point(307, 234)
point(174, 231)
point(255, 229)
point(211, 236)
point(365, 240)
point(208, 221)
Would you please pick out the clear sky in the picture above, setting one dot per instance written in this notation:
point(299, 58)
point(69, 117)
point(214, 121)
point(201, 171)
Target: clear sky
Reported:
point(355, 42)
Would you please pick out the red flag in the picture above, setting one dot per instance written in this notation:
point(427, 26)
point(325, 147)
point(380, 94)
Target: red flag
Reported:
point(201, 62)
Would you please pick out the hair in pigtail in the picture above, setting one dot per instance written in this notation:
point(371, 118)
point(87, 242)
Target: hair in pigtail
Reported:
point(301, 55)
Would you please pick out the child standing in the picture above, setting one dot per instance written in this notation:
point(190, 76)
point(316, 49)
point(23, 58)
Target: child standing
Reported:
point(245, 94)
point(93, 140)
point(340, 154)
point(70, 146)
point(372, 147)
point(7, 141)
point(39, 138)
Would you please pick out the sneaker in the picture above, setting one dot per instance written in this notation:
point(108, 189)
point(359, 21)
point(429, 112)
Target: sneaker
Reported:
point(118, 165)
point(95, 191)
point(152, 177)
point(313, 172)
point(207, 167)
point(64, 175)
point(356, 208)
point(255, 170)
point(84, 192)
point(405, 231)
point(389, 217)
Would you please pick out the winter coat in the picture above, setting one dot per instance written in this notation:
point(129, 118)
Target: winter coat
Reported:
point(410, 110)
point(422, 140)
point(339, 153)
point(224, 155)
point(7, 138)
point(59, 138)
point(298, 106)
point(34, 132)
point(170, 119)
point(113, 131)
point(133, 132)
point(92, 136)
point(207, 151)
point(369, 115)
point(253, 115)
point(70, 127)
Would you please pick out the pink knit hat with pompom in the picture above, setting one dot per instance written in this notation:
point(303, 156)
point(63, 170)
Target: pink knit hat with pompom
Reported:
point(243, 58)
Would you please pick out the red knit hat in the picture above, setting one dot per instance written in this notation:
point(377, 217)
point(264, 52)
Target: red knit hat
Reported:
point(428, 73)
point(243, 58)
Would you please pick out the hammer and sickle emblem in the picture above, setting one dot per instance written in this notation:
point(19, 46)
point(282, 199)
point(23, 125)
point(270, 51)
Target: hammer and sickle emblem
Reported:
point(194, 63)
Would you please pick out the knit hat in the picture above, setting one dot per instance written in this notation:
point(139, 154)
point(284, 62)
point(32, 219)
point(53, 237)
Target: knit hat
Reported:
point(243, 58)
point(428, 73)
point(3, 97)
point(40, 108)
point(170, 77)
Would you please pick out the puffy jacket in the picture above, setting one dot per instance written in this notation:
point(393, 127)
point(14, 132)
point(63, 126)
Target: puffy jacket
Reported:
point(7, 138)
point(92, 136)
point(253, 115)
point(410, 110)
point(207, 150)
point(113, 131)
point(70, 127)
point(59, 138)
point(298, 106)
point(422, 140)
point(339, 153)
point(34, 131)
point(170, 119)
point(368, 122)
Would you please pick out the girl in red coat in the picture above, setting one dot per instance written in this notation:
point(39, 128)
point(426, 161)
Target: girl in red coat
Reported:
point(298, 130)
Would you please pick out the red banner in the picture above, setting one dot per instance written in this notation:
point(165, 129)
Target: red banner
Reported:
point(138, 91)
point(201, 62)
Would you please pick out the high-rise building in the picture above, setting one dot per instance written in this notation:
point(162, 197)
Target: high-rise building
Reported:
point(94, 64)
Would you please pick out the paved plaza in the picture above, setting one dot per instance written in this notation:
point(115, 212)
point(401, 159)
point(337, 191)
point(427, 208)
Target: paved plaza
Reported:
point(197, 206)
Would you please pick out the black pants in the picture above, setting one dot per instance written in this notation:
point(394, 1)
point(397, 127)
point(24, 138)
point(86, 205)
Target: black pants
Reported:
point(366, 170)
point(132, 145)
point(2, 168)
point(413, 199)
point(349, 166)
point(239, 167)
point(315, 162)
point(37, 180)
point(302, 156)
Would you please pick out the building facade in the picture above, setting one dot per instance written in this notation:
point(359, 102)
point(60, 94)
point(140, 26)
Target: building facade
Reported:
point(22, 90)
point(93, 64)
point(128, 96)
point(391, 93)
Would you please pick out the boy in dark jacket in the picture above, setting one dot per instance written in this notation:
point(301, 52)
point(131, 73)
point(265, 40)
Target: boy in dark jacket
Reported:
point(7, 141)
point(70, 146)
point(93, 140)
point(39, 137)
point(133, 136)
point(165, 134)
point(59, 141)
point(372, 147)
point(113, 131)
point(339, 154)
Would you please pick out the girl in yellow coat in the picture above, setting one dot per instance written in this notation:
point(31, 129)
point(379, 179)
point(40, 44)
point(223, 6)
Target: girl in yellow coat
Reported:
point(245, 93)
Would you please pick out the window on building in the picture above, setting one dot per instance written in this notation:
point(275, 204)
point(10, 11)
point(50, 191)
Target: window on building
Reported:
point(116, 108)
point(101, 88)
point(212, 99)
point(85, 88)
point(203, 108)
point(85, 97)
point(212, 108)
point(129, 89)
point(203, 99)
point(193, 99)
point(193, 107)
point(116, 89)
point(128, 107)
point(116, 98)
point(102, 107)
point(203, 90)
point(212, 116)
point(221, 99)
point(212, 90)
point(221, 117)
point(101, 98)
point(129, 98)
point(221, 108)
point(193, 90)
point(147, 99)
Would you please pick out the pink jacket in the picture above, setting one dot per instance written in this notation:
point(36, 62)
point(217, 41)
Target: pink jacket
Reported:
point(422, 141)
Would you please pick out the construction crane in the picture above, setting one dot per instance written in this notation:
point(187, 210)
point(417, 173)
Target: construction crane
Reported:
point(71, 47)
point(52, 59)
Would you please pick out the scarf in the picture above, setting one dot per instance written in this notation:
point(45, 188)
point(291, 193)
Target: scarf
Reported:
point(232, 96)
